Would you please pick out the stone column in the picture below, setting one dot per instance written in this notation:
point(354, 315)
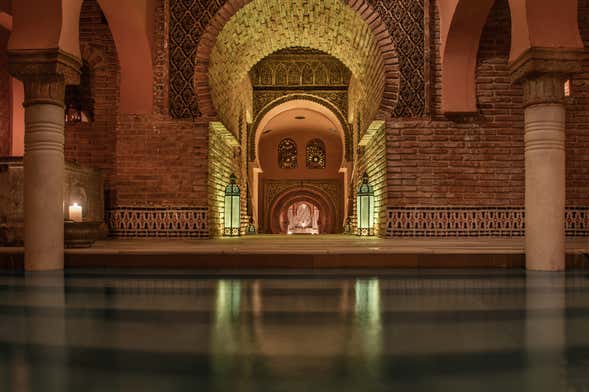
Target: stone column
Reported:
point(545, 172)
point(44, 74)
point(542, 73)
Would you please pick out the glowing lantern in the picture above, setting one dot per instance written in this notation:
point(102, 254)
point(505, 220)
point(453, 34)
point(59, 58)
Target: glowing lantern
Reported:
point(365, 207)
point(232, 204)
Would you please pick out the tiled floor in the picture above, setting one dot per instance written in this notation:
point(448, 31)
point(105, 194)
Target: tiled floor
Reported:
point(326, 244)
point(322, 251)
point(281, 244)
point(164, 330)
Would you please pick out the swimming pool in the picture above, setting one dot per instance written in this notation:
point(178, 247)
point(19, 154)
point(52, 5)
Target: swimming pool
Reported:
point(300, 330)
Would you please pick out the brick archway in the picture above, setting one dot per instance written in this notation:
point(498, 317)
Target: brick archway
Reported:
point(328, 217)
point(385, 53)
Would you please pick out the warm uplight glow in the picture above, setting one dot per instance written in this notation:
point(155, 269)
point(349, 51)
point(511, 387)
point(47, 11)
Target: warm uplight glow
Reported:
point(75, 212)
point(567, 88)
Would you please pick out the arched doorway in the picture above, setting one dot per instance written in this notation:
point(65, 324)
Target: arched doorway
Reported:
point(323, 212)
point(301, 217)
point(300, 161)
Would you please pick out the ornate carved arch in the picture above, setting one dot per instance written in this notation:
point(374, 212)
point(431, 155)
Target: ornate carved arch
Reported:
point(308, 97)
point(363, 8)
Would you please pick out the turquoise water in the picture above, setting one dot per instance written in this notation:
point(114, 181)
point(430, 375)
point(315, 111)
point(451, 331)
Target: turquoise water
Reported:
point(161, 330)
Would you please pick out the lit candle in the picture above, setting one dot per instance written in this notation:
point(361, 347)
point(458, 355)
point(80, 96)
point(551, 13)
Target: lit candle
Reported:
point(76, 212)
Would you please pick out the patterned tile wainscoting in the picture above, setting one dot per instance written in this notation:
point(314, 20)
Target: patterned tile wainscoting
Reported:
point(577, 221)
point(472, 222)
point(133, 222)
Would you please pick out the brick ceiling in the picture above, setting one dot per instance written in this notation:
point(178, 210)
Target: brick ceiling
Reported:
point(263, 27)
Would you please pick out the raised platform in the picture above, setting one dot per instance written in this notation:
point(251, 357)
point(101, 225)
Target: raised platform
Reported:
point(334, 251)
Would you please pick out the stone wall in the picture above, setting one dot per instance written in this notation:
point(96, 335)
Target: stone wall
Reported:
point(82, 185)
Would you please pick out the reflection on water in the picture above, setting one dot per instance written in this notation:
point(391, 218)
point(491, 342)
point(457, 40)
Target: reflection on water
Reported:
point(433, 331)
point(226, 341)
point(545, 334)
point(228, 301)
point(368, 318)
point(367, 301)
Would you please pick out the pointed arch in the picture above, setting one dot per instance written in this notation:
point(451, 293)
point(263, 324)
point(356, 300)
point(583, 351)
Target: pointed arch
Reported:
point(321, 75)
point(294, 75)
point(307, 76)
point(535, 24)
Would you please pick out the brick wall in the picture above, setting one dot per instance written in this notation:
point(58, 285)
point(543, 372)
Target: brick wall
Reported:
point(93, 144)
point(160, 162)
point(471, 161)
point(149, 160)
point(160, 179)
point(241, 44)
point(372, 160)
point(466, 162)
point(465, 176)
point(577, 126)
point(5, 104)
point(223, 160)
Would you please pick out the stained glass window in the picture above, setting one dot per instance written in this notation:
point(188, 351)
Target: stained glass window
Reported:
point(316, 154)
point(287, 154)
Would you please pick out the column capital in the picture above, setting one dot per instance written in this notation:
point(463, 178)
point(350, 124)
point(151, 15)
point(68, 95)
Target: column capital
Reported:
point(543, 89)
point(543, 71)
point(44, 73)
point(539, 61)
